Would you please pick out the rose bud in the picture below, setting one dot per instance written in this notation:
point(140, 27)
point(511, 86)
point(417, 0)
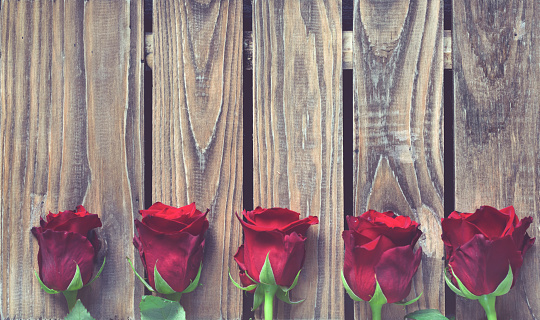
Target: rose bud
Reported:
point(67, 241)
point(485, 250)
point(170, 243)
point(273, 253)
point(379, 258)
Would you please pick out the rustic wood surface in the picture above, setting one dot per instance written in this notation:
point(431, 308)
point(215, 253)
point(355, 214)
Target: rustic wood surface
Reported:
point(398, 128)
point(297, 138)
point(497, 120)
point(70, 134)
point(197, 134)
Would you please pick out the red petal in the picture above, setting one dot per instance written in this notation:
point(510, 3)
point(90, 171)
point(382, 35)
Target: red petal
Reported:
point(185, 214)
point(457, 232)
point(178, 255)
point(239, 257)
point(482, 264)
point(59, 252)
point(520, 236)
point(273, 218)
point(371, 230)
point(395, 271)
point(360, 262)
point(492, 222)
point(72, 222)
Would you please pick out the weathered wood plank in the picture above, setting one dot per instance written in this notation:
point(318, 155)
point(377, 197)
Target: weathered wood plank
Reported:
point(297, 138)
point(70, 108)
point(398, 123)
point(497, 120)
point(197, 134)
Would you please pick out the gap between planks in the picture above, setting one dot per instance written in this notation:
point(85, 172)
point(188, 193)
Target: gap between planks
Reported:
point(347, 46)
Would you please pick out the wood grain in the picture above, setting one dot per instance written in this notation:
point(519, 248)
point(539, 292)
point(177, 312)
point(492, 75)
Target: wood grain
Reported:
point(497, 120)
point(70, 134)
point(197, 134)
point(297, 138)
point(398, 128)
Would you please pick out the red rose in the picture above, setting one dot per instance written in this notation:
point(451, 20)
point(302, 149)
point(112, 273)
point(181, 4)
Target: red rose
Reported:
point(278, 233)
point(67, 239)
point(172, 238)
point(379, 247)
point(481, 246)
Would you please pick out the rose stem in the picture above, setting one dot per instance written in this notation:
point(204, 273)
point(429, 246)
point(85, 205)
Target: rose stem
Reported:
point(376, 311)
point(269, 292)
point(488, 302)
point(71, 298)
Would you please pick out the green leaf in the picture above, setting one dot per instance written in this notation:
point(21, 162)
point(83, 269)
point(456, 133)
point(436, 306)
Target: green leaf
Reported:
point(284, 296)
point(258, 297)
point(79, 312)
point(156, 308)
point(348, 289)
point(451, 285)
point(76, 282)
point(248, 288)
point(406, 303)
point(193, 285)
point(466, 293)
point(427, 314)
point(99, 272)
point(149, 287)
point(505, 285)
point(267, 274)
point(43, 286)
point(161, 285)
point(378, 297)
point(285, 289)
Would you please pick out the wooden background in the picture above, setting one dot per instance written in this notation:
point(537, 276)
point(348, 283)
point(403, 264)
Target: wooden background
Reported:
point(328, 107)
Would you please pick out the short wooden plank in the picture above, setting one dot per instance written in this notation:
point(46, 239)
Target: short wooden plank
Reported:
point(497, 120)
point(197, 134)
point(70, 134)
point(297, 138)
point(398, 127)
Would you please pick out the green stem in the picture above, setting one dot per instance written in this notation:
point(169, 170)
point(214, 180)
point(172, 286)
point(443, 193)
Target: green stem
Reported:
point(488, 302)
point(269, 292)
point(174, 296)
point(375, 311)
point(71, 298)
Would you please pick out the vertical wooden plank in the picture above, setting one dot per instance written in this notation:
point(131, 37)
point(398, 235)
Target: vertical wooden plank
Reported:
point(398, 159)
point(497, 120)
point(197, 134)
point(297, 142)
point(69, 134)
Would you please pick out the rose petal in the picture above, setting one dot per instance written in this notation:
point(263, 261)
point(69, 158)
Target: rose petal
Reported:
point(239, 257)
point(395, 271)
point(457, 232)
point(371, 230)
point(72, 222)
point(520, 236)
point(59, 253)
point(273, 218)
point(185, 214)
point(178, 255)
point(360, 261)
point(492, 222)
point(482, 264)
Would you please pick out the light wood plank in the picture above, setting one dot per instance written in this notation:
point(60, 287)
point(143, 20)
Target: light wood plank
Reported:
point(297, 138)
point(497, 120)
point(70, 134)
point(398, 127)
point(197, 134)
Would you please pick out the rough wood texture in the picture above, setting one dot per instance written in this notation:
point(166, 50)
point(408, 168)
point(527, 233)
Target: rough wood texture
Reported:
point(70, 118)
point(197, 134)
point(297, 138)
point(497, 120)
point(398, 159)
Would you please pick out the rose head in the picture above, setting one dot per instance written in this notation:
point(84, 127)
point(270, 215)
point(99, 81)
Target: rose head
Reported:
point(276, 232)
point(379, 247)
point(173, 239)
point(481, 246)
point(67, 239)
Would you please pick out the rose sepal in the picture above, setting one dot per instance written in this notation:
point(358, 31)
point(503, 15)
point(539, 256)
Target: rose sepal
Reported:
point(348, 288)
point(248, 288)
point(193, 285)
point(43, 286)
point(98, 273)
point(406, 303)
point(146, 284)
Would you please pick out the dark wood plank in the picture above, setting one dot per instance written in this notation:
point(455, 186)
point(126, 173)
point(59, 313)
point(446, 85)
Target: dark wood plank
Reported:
point(497, 120)
point(197, 134)
point(297, 138)
point(398, 144)
point(69, 134)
